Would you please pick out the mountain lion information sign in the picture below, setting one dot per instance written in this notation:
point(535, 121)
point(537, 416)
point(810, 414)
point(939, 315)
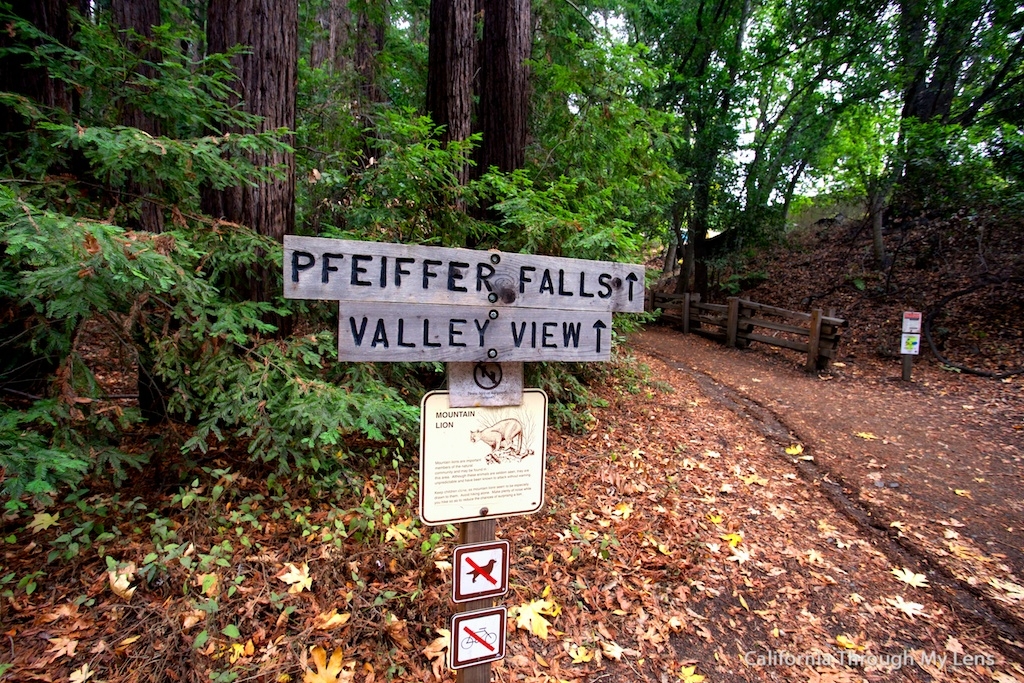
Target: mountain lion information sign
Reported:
point(481, 463)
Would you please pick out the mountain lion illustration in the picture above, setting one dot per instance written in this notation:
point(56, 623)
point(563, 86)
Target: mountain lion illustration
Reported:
point(503, 435)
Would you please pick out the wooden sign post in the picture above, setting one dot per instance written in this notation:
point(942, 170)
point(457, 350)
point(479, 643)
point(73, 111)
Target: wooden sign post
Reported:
point(483, 442)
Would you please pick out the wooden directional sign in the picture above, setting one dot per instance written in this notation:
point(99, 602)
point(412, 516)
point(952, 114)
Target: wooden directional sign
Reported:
point(481, 571)
point(481, 463)
point(425, 332)
point(343, 270)
point(477, 637)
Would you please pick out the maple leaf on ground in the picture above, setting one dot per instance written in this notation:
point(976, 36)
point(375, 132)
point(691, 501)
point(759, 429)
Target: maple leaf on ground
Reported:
point(963, 493)
point(530, 616)
point(688, 674)
point(435, 652)
point(397, 629)
point(297, 578)
point(1013, 591)
point(739, 556)
point(732, 539)
point(62, 647)
point(579, 653)
point(81, 675)
point(910, 578)
point(612, 650)
point(332, 671)
point(401, 533)
point(330, 620)
point(911, 609)
point(868, 436)
point(42, 521)
point(623, 510)
point(795, 449)
point(848, 643)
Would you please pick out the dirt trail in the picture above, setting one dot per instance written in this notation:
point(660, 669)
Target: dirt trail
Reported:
point(935, 464)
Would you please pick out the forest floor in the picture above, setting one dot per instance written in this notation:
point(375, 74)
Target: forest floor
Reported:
point(725, 516)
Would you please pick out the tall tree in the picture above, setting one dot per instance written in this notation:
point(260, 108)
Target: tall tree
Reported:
point(51, 18)
point(266, 86)
point(504, 75)
point(334, 25)
point(450, 68)
point(701, 46)
point(135, 20)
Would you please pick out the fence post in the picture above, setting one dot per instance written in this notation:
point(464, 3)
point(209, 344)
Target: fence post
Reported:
point(813, 341)
point(733, 321)
point(686, 313)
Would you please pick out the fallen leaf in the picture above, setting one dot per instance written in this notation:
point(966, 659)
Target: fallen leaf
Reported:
point(612, 650)
point(121, 580)
point(579, 654)
point(795, 449)
point(1014, 591)
point(866, 435)
point(62, 647)
point(42, 521)
point(435, 652)
point(714, 518)
point(623, 510)
point(327, 671)
point(911, 609)
point(81, 675)
point(910, 578)
point(732, 539)
point(297, 578)
point(751, 479)
point(398, 630)
point(963, 493)
point(739, 556)
point(530, 616)
point(688, 674)
point(846, 642)
point(330, 620)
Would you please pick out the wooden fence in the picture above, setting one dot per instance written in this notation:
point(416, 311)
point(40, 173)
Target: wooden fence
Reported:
point(734, 323)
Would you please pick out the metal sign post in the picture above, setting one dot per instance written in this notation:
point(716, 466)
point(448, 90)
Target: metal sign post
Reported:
point(910, 341)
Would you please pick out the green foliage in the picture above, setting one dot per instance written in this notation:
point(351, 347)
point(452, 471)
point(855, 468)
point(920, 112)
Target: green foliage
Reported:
point(404, 189)
point(71, 272)
point(29, 462)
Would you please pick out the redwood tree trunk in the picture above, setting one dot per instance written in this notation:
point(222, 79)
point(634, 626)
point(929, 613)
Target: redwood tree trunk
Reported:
point(266, 82)
point(503, 84)
point(450, 70)
point(140, 16)
point(50, 17)
point(335, 19)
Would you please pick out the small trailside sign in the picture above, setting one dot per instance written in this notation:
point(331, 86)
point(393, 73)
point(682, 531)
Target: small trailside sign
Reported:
point(911, 322)
point(481, 571)
point(477, 637)
point(482, 462)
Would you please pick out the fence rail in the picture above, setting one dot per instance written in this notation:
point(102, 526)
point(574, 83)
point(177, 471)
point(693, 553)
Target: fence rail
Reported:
point(734, 323)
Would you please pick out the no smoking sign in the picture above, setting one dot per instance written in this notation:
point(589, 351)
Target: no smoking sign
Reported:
point(481, 571)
